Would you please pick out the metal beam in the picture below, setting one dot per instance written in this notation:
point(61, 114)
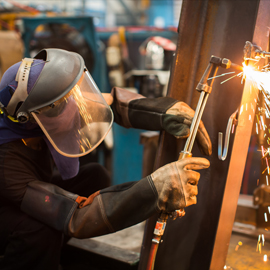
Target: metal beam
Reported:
point(206, 27)
point(240, 148)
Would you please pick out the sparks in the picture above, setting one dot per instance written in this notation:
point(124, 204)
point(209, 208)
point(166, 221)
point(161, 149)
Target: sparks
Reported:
point(265, 217)
point(229, 79)
point(241, 109)
point(221, 75)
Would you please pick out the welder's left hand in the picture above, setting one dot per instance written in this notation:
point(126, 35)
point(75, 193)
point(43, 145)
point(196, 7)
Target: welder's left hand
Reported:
point(177, 121)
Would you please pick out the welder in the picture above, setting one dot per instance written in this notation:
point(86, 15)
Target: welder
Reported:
point(52, 113)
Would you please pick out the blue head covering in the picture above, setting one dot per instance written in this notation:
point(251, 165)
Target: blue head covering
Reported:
point(10, 131)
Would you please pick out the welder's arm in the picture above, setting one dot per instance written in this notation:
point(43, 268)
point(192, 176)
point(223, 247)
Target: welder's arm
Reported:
point(171, 187)
point(164, 113)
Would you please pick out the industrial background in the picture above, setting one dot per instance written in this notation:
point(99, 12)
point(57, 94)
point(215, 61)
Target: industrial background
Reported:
point(162, 48)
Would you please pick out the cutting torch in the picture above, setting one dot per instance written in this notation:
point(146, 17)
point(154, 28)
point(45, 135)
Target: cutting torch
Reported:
point(205, 88)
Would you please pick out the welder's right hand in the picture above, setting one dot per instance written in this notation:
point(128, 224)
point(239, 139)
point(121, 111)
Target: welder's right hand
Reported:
point(176, 183)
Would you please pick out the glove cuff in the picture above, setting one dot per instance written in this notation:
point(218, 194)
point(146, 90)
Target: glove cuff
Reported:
point(147, 113)
point(115, 208)
point(130, 203)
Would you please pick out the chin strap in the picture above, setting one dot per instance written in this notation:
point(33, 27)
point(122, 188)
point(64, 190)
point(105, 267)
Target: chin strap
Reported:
point(21, 91)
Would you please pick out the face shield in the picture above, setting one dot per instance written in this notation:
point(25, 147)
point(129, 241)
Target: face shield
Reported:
point(78, 122)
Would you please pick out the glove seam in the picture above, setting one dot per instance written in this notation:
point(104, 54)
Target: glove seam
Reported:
point(153, 187)
point(122, 189)
point(144, 111)
point(69, 216)
point(103, 214)
point(156, 114)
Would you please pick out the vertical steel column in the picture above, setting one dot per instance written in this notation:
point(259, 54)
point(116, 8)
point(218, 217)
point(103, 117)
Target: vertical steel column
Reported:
point(206, 27)
point(240, 148)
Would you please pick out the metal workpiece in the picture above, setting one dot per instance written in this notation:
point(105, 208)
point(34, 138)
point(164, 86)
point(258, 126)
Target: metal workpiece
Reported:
point(240, 147)
point(254, 52)
point(198, 240)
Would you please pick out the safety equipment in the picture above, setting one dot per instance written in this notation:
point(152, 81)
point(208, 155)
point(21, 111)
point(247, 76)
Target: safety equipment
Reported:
point(64, 101)
point(176, 183)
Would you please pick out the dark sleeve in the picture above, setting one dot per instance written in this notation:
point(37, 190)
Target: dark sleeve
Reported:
point(134, 110)
point(20, 165)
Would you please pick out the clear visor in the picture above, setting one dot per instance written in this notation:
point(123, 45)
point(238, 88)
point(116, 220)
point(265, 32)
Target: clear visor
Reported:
point(78, 122)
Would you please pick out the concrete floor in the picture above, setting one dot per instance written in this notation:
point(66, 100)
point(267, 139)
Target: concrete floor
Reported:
point(130, 238)
point(244, 254)
point(124, 246)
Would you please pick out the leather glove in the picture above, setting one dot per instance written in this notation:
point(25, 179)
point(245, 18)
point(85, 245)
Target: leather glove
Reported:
point(176, 183)
point(177, 121)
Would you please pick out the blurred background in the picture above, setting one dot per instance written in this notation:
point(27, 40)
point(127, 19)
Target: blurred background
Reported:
point(124, 43)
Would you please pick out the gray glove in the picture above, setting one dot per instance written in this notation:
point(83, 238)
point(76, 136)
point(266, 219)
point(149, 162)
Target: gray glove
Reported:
point(177, 121)
point(176, 183)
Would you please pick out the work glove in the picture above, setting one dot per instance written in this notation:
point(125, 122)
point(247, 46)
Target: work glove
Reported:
point(177, 122)
point(163, 113)
point(176, 183)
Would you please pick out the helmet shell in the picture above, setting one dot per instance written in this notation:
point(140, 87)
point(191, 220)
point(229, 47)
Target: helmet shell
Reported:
point(59, 75)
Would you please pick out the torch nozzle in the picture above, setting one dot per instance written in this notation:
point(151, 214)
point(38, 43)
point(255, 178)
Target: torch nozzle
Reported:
point(237, 67)
point(226, 63)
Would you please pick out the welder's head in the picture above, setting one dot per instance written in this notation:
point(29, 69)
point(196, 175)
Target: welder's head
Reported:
point(57, 92)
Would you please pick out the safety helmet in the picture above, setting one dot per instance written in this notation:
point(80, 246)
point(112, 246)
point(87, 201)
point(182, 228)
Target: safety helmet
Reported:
point(64, 101)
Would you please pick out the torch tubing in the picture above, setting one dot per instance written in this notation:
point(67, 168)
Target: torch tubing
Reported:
point(197, 123)
point(152, 256)
point(193, 130)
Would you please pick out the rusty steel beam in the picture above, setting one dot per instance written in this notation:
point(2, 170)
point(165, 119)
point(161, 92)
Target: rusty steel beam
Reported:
point(240, 147)
point(206, 27)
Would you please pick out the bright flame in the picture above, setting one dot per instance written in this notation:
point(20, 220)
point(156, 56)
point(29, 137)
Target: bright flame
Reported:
point(248, 71)
point(261, 80)
point(265, 258)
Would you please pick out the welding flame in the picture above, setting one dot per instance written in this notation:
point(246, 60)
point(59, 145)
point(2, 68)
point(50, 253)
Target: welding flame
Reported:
point(261, 80)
